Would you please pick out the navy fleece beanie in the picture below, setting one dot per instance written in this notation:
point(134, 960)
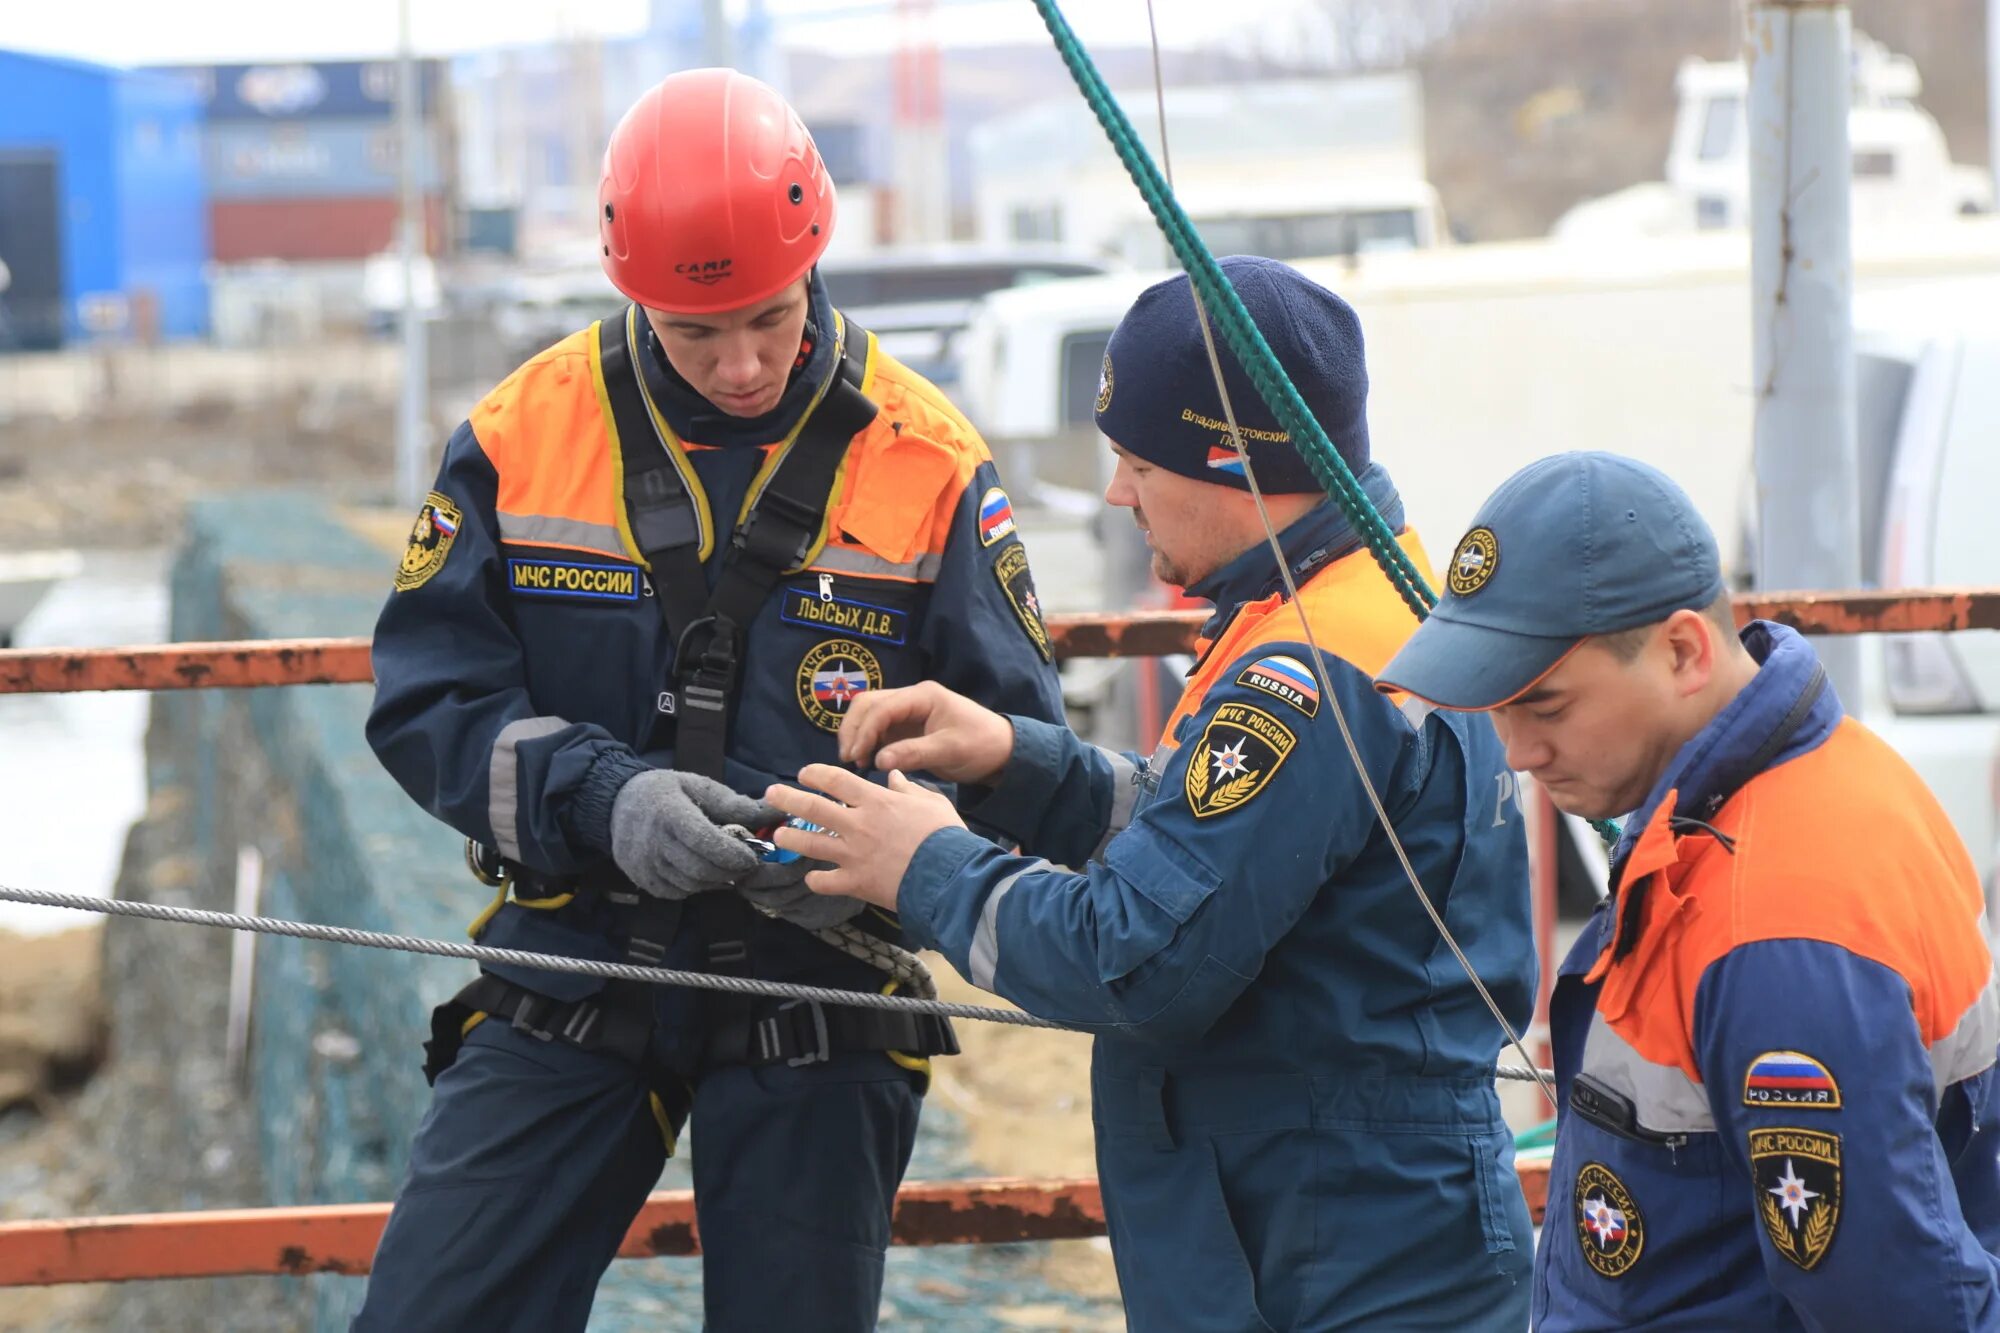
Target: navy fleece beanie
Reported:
point(1156, 398)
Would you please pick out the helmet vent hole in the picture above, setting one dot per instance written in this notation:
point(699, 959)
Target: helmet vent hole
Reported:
point(798, 194)
point(815, 228)
point(607, 213)
point(607, 250)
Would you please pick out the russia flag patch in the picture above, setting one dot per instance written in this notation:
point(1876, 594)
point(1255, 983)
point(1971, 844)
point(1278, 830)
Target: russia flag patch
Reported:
point(1222, 458)
point(996, 516)
point(1287, 678)
point(1790, 1078)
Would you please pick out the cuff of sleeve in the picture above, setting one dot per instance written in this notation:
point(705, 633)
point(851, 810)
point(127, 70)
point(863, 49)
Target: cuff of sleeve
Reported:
point(1018, 803)
point(588, 819)
point(919, 896)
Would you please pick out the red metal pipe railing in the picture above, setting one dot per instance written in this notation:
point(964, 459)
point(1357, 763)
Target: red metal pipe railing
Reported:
point(341, 1238)
point(236, 665)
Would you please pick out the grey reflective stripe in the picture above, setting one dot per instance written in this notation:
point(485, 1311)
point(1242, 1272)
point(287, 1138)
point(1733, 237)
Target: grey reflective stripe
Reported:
point(842, 560)
point(1415, 710)
point(540, 529)
point(1665, 1099)
point(1124, 797)
point(1968, 1048)
point(985, 956)
point(503, 781)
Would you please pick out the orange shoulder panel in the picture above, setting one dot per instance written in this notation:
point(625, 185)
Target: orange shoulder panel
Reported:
point(904, 475)
point(1356, 616)
point(1842, 845)
point(543, 430)
point(1850, 847)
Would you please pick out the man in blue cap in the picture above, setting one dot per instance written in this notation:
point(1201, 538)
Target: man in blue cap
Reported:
point(1775, 1040)
point(1293, 1078)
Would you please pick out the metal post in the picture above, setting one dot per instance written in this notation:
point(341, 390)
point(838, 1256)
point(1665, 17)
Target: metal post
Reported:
point(412, 415)
point(1993, 89)
point(1802, 296)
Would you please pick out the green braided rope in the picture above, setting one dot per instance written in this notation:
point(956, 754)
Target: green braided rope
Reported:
point(1238, 330)
point(1243, 337)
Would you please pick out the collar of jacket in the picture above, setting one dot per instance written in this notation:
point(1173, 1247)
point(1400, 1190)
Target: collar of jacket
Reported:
point(1719, 759)
point(1316, 539)
point(696, 419)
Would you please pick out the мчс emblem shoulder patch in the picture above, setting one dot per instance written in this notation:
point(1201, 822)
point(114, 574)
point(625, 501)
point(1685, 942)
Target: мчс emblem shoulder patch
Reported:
point(1790, 1079)
point(1797, 1178)
point(431, 537)
point(1473, 563)
point(831, 677)
point(1239, 752)
point(1286, 677)
point(1011, 568)
point(1608, 1224)
point(996, 516)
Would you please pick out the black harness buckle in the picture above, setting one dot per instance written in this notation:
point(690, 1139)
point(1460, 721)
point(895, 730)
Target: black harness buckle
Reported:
point(808, 1028)
point(530, 1012)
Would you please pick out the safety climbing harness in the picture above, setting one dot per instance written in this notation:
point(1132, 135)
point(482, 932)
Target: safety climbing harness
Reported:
point(776, 534)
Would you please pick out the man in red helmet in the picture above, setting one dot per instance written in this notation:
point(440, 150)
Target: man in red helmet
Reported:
point(661, 561)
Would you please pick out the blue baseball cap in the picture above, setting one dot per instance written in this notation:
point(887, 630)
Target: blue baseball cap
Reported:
point(1568, 547)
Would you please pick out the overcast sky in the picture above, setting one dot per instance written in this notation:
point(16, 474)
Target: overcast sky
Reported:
point(129, 32)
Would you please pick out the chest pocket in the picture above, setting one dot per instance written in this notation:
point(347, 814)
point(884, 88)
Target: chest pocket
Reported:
point(826, 638)
point(1635, 1218)
point(558, 599)
point(875, 611)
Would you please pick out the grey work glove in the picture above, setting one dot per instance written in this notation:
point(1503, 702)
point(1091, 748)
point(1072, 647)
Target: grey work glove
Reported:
point(666, 833)
point(779, 890)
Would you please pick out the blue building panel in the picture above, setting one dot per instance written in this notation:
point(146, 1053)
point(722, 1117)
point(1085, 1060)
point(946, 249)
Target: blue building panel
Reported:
point(163, 207)
point(302, 90)
point(319, 159)
point(128, 200)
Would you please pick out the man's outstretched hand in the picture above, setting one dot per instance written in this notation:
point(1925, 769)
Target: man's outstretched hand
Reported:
point(872, 832)
point(926, 729)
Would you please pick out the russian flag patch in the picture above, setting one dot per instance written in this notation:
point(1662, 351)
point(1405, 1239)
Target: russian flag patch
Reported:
point(1790, 1079)
point(1287, 678)
point(996, 516)
point(1222, 458)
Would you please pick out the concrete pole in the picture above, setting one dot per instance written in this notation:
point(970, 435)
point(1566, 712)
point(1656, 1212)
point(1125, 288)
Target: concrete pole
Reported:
point(413, 444)
point(1802, 297)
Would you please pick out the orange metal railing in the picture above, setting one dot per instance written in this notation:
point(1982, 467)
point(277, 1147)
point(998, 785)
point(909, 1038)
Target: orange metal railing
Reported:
point(341, 1238)
point(186, 666)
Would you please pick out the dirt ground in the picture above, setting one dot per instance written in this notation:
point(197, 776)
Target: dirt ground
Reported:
point(122, 480)
point(53, 1031)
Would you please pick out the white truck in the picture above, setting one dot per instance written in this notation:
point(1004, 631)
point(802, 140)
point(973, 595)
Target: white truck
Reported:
point(1902, 168)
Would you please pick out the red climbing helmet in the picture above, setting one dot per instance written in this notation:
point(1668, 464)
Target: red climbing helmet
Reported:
point(713, 196)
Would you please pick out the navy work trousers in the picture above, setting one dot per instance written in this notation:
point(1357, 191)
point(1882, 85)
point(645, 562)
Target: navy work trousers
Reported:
point(535, 1156)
